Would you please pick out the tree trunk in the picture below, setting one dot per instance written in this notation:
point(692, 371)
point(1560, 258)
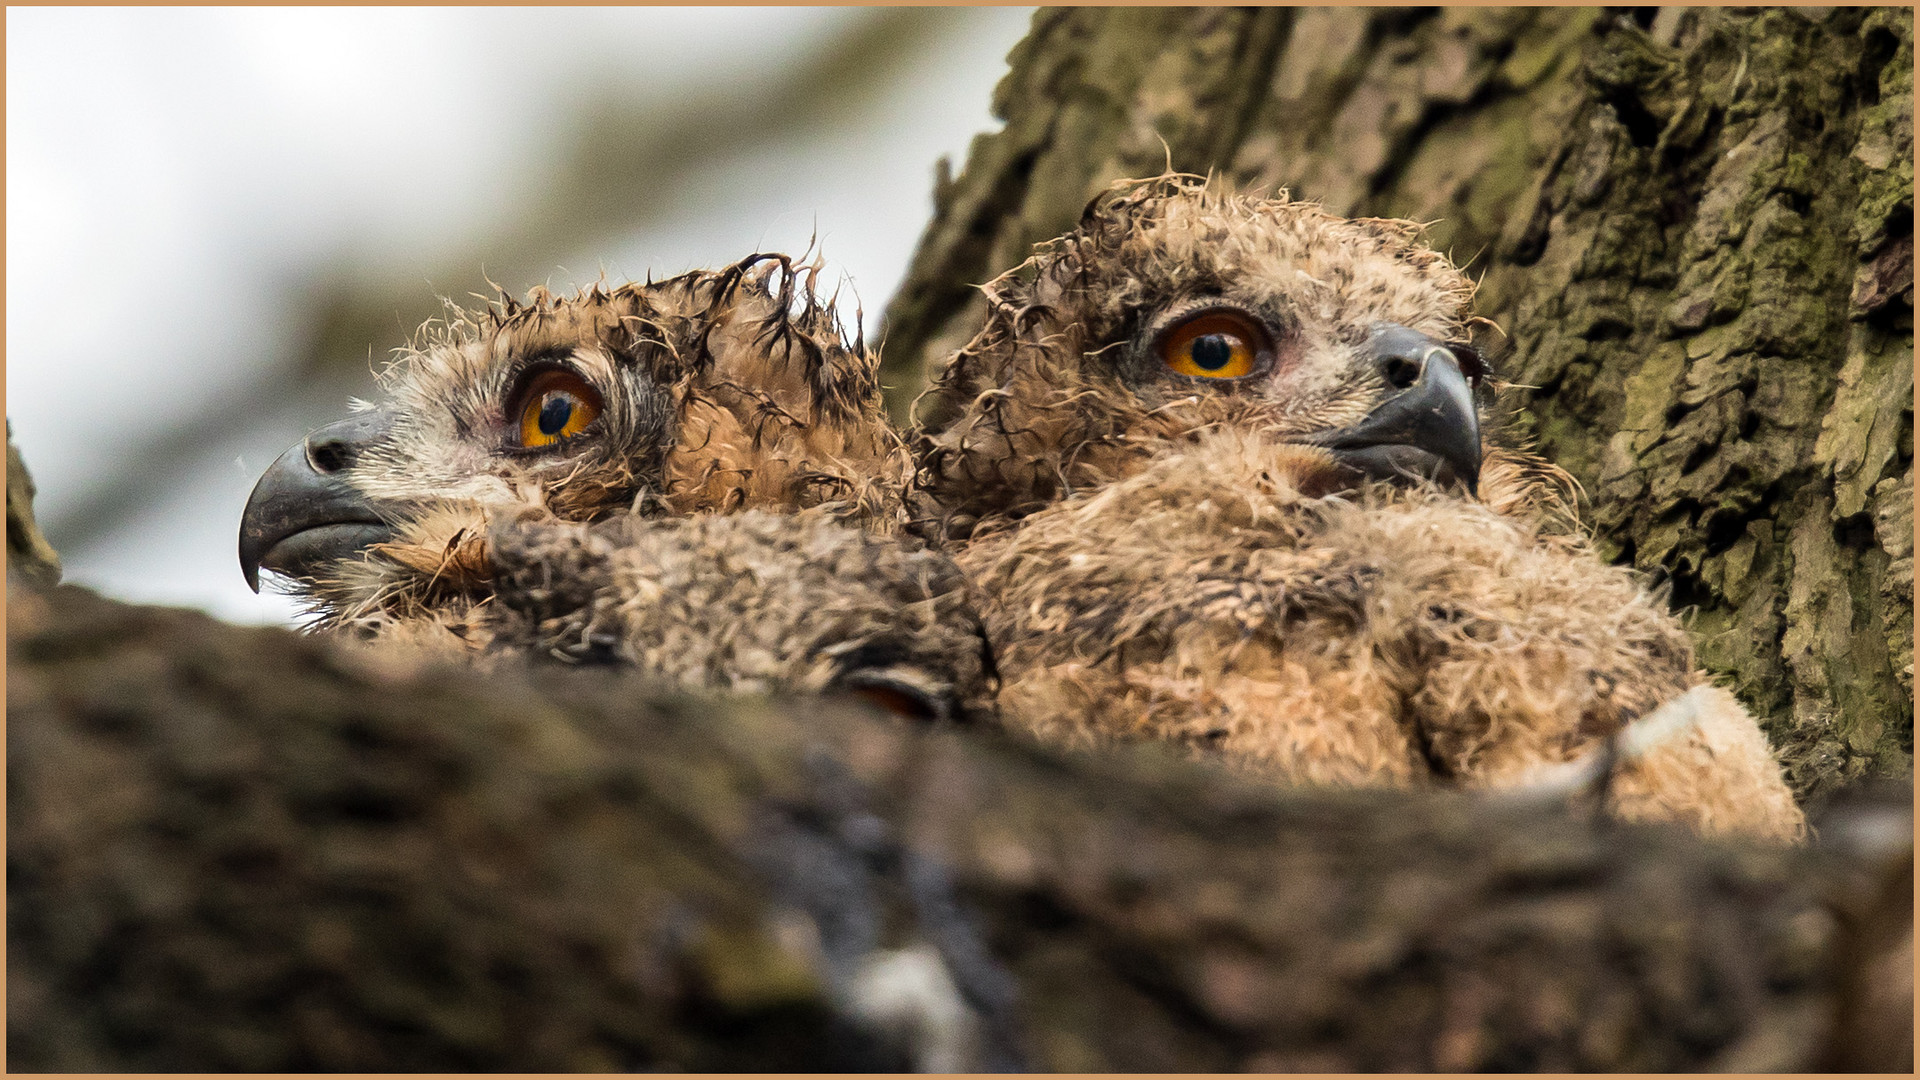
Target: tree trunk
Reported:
point(239, 849)
point(1695, 227)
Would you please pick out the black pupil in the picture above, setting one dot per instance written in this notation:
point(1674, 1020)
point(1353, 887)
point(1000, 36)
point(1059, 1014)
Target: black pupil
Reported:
point(1211, 352)
point(555, 412)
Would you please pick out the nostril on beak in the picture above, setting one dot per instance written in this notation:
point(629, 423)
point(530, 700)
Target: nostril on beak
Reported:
point(328, 454)
point(1401, 372)
point(338, 446)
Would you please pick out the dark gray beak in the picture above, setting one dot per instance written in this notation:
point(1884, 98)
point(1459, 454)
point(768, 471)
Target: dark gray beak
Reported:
point(302, 514)
point(1427, 427)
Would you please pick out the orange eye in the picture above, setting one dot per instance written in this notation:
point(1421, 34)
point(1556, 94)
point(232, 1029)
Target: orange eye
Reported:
point(1213, 345)
point(555, 405)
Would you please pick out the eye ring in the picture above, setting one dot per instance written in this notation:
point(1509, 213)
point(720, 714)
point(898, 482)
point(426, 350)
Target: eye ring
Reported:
point(1214, 344)
point(552, 405)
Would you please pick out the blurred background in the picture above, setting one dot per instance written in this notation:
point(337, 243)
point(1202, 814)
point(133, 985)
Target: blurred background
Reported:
point(221, 221)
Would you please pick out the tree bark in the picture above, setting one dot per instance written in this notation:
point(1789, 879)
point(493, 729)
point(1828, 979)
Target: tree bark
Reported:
point(240, 849)
point(28, 553)
point(1695, 227)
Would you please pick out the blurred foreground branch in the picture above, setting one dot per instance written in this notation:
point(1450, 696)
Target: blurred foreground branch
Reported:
point(238, 849)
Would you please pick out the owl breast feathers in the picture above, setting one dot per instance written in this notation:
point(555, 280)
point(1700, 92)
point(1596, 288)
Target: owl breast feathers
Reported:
point(749, 602)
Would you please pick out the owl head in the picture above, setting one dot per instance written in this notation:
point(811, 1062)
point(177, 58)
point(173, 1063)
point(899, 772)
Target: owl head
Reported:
point(1179, 307)
point(711, 392)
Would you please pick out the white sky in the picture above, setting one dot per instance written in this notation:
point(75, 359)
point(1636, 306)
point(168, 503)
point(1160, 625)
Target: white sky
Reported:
point(175, 176)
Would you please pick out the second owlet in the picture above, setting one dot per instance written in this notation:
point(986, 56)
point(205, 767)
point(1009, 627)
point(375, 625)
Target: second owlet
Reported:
point(693, 477)
point(1216, 467)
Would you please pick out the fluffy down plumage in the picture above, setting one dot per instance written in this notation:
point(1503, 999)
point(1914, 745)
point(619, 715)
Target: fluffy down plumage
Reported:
point(1384, 634)
point(749, 602)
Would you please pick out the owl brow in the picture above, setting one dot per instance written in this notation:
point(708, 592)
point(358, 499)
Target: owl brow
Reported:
point(521, 368)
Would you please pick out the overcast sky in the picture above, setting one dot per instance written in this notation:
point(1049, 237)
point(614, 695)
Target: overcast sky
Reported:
point(182, 183)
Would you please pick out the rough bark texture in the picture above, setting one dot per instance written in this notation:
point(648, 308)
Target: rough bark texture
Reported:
point(1694, 225)
point(237, 849)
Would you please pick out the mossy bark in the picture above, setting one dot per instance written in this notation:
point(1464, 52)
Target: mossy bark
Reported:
point(239, 849)
point(1694, 227)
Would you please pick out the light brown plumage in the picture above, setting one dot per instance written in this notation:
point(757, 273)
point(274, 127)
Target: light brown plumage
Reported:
point(1160, 555)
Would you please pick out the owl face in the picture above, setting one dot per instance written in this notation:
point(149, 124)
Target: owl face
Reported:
point(710, 392)
point(1175, 309)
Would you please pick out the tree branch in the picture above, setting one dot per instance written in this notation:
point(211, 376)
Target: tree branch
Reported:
point(235, 848)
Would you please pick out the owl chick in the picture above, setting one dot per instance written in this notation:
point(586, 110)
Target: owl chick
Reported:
point(712, 392)
point(1216, 468)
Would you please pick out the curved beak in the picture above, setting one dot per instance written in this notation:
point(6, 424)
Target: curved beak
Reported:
point(303, 514)
point(1428, 428)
